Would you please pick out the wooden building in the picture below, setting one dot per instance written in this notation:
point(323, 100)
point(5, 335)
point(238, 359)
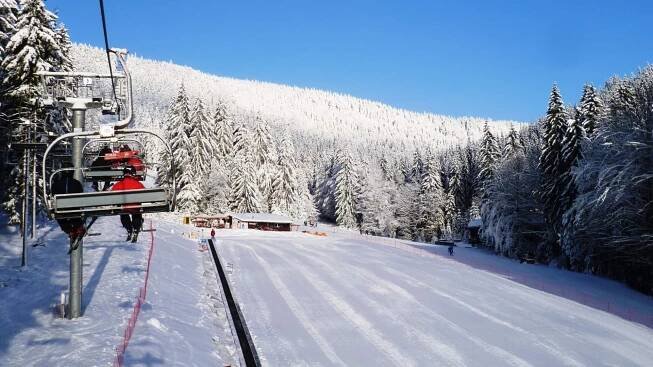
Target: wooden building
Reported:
point(262, 221)
point(472, 231)
point(211, 221)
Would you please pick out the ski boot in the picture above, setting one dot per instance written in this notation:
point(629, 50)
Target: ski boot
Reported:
point(135, 237)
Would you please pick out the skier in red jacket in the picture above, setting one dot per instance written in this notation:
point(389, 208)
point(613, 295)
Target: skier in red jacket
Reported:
point(133, 222)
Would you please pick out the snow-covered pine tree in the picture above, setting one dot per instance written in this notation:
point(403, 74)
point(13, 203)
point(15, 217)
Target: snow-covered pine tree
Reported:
point(8, 19)
point(571, 154)
point(223, 131)
point(512, 222)
point(448, 214)
point(554, 128)
point(175, 126)
point(33, 47)
point(345, 192)
point(286, 190)
point(239, 137)
point(489, 154)
point(202, 141)
point(181, 145)
point(417, 167)
point(245, 197)
point(63, 39)
point(430, 181)
point(261, 142)
point(589, 110)
point(264, 151)
point(429, 201)
point(325, 193)
point(513, 143)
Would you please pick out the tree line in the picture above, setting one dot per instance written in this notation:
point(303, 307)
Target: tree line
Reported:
point(31, 40)
point(576, 189)
point(226, 162)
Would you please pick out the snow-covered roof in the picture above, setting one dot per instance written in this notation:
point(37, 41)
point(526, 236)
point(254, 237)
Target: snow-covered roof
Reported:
point(261, 218)
point(474, 223)
point(215, 216)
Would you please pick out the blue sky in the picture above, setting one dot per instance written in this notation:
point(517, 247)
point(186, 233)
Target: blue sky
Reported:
point(489, 58)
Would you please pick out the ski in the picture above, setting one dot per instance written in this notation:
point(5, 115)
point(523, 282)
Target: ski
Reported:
point(75, 244)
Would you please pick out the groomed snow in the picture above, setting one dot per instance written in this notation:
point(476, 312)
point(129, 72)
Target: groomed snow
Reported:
point(345, 300)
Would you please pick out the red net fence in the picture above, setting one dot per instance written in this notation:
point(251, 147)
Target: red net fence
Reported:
point(140, 300)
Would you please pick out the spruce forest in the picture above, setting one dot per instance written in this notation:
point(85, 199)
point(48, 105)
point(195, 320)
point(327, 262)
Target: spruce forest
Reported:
point(573, 189)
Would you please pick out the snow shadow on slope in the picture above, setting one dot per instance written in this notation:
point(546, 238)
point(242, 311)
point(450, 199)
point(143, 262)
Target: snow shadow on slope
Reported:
point(44, 277)
point(94, 280)
point(593, 291)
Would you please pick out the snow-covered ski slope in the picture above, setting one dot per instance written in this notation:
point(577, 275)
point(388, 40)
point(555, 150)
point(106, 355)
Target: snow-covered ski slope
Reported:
point(308, 301)
point(182, 322)
point(346, 300)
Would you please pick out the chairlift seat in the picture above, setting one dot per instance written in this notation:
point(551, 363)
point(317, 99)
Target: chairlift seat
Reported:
point(103, 203)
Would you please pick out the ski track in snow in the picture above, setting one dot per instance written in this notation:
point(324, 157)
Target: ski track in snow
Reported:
point(450, 356)
point(542, 307)
point(299, 311)
point(389, 295)
point(427, 341)
point(549, 346)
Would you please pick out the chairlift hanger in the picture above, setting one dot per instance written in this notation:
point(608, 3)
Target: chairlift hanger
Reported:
point(113, 105)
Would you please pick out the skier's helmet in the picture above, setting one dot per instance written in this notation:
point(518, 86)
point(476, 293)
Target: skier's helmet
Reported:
point(129, 171)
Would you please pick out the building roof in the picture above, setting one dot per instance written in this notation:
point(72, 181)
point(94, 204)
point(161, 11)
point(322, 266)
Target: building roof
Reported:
point(215, 216)
point(474, 223)
point(261, 218)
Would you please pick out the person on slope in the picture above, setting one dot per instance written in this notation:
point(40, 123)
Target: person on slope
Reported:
point(64, 183)
point(133, 219)
point(450, 250)
point(99, 164)
point(212, 234)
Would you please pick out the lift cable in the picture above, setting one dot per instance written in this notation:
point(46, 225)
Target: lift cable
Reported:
point(106, 48)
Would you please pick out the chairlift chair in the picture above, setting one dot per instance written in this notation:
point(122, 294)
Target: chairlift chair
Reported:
point(113, 170)
point(106, 203)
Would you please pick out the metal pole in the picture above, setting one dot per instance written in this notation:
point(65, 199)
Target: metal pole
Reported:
point(34, 183)
point(75, 300)
point(23, 259)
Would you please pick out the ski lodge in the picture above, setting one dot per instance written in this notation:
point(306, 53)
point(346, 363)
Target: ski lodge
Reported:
point(261, 221)
point(209, 221)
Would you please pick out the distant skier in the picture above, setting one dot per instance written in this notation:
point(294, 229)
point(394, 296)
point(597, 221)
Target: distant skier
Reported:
point(212, 234)
point(64, 183)
point(451, 250)
point(133, 222)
